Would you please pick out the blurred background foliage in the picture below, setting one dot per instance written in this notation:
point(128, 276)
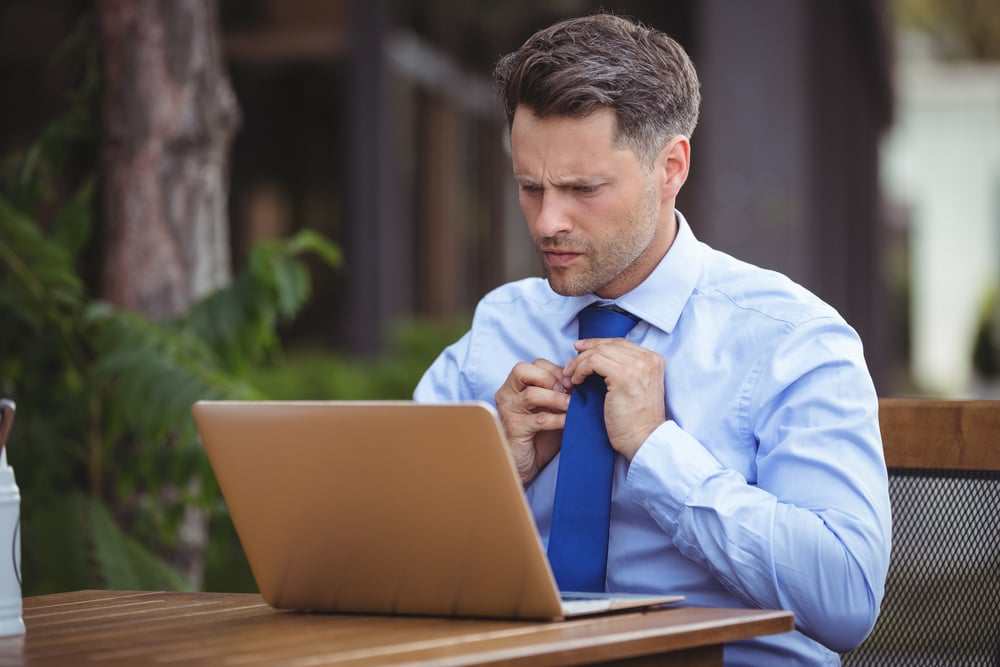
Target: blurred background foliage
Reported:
point(104, 447)
point(959, 29)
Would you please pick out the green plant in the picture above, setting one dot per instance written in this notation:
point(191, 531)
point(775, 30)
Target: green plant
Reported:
point(986, 343)
point(104, 448)
point(104, 428)
point(310, 372)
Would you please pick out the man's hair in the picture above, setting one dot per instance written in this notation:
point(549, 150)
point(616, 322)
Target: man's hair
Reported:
point(576, 67)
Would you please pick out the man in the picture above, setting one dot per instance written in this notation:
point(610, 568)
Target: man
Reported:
point(742, 420)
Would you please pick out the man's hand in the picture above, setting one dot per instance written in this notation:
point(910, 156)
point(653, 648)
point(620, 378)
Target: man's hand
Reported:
point(532, 407)
point(633, 407)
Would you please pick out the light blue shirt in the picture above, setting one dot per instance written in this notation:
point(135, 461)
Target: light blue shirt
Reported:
point(766, 486)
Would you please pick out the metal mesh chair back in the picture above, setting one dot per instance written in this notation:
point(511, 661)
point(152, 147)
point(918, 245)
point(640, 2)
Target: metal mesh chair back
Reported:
point(942, 598)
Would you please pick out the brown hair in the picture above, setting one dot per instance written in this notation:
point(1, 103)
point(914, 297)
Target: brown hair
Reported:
point(578, 66)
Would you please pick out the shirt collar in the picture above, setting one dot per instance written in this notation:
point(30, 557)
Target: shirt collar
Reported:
point(660, 298)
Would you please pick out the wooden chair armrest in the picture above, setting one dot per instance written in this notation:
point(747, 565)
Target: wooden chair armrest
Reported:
point(947, 434)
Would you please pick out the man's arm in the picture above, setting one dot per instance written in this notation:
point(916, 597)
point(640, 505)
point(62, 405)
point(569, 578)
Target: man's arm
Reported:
point(444, 380)
point(812, 533)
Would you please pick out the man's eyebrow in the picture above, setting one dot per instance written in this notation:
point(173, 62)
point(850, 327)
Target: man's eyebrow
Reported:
point(566, 182)
point(579, 181)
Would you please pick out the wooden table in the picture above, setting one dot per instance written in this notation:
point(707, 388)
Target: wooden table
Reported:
point(150, 628)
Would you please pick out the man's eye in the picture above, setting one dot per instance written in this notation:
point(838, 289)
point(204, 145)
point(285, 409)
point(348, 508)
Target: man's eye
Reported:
point(586, 189)
point(530, 188)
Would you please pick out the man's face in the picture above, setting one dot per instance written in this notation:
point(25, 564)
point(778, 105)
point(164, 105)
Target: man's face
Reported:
point(593, 212)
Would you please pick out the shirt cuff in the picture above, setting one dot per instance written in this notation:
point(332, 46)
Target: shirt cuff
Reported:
point(667, 469)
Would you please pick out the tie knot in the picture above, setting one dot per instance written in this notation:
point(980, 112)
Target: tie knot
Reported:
point(598, 321)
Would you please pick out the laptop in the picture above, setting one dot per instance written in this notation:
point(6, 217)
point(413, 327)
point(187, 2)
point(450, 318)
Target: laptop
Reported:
point(385, 507)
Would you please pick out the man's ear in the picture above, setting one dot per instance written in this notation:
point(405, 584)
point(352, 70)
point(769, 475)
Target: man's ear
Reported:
point(672, 165)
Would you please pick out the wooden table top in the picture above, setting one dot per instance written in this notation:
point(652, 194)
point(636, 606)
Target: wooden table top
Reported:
point(140, 628)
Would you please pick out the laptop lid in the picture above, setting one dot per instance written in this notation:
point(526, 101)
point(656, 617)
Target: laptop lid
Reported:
point(380, 507)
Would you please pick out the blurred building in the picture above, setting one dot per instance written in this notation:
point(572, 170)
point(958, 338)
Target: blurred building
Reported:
point(942, 175)
point(373, 121)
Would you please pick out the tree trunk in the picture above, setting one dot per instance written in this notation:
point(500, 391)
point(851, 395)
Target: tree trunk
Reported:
point(169, 115)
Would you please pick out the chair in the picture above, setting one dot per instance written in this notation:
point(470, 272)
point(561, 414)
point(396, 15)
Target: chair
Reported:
point(942, 596)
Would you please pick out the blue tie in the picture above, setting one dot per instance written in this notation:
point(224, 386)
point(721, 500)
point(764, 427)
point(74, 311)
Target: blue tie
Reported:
point(581, 511)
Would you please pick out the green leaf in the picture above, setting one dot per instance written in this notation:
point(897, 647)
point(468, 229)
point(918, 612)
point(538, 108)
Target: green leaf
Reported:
point(123, 563)
point(308, 240)
point(73, 223)
point(54, 545)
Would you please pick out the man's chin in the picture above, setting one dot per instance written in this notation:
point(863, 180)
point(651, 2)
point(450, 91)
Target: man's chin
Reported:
point(566, 287)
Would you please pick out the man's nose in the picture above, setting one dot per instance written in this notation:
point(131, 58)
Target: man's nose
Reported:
point(553, 215)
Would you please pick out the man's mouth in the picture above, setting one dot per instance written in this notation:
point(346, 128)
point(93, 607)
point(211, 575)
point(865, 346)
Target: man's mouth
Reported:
point(559, 257)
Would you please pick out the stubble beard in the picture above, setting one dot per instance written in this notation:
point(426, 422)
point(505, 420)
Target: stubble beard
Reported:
point(616, 261)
